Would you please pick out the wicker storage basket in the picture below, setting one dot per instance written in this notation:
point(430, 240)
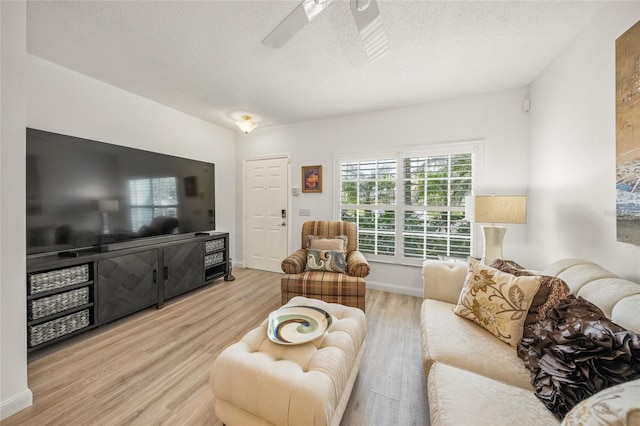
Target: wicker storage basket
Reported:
point(212, 245)
point(213, 259)
point(60, 278)
point(40, 308)
point(41, 333)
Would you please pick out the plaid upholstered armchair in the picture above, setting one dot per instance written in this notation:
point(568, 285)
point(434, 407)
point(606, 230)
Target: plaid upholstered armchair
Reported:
point(328, 267)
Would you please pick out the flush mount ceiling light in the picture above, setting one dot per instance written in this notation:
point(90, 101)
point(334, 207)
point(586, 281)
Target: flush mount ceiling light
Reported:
point(245, 124)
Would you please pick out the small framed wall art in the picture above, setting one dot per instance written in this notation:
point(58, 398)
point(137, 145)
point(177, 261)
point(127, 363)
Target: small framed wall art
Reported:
point(311, 178)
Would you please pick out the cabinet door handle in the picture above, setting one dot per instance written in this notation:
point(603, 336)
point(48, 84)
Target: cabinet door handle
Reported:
point(166, 272)
point(155, 275)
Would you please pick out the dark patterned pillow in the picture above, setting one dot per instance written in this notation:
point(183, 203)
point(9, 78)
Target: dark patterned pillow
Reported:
point(503, 264)
point(326, 260)
point(552, 290)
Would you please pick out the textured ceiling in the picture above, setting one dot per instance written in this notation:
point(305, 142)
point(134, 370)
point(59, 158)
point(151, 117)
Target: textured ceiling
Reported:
point(206, 58)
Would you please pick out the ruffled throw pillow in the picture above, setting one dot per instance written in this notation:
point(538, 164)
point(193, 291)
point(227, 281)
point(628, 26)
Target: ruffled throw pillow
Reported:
point(577, 352)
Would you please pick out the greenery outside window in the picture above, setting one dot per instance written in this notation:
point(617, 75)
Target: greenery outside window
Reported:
point(409, 206)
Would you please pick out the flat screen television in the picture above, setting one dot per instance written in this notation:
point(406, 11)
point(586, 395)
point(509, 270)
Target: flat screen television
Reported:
point(85, 194)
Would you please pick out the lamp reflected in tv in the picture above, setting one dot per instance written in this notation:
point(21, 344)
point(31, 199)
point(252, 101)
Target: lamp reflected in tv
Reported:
point(104, 208)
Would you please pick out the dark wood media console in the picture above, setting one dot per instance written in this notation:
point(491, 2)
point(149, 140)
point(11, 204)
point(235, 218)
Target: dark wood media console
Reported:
point(77, 291)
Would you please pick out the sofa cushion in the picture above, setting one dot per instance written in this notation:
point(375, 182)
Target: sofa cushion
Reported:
point(496, 300)
point(619, 299)
point(326, 260)
point(458, 397)
point(579, 274)
point(443, 280)
point(456, 341)
point(612, 295)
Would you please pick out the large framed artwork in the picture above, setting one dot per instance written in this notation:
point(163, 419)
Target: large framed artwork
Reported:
point(628, 136)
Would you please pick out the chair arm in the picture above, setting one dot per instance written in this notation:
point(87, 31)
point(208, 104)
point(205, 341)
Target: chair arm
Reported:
point(295, 262)
point(357, 265)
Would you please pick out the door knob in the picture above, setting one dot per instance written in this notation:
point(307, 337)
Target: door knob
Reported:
point(284, 224)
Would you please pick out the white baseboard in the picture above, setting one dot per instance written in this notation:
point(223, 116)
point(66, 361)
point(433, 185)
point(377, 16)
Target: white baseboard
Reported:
point(17, 403)
point(392, 288)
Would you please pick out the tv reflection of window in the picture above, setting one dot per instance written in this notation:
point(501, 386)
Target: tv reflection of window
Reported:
point(152, 197)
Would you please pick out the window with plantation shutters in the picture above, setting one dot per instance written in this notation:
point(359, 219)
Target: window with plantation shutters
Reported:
point(151, 198)
point(368, 198)
point(434, 187)
point(409, 206)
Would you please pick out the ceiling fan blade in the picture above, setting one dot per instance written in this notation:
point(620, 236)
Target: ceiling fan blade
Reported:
point(369, 23)
point(292, 24)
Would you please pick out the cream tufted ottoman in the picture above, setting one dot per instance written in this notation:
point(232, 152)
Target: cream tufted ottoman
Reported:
point(258, 382)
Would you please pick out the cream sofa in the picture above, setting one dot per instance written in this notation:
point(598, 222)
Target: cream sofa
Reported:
point(474, 378)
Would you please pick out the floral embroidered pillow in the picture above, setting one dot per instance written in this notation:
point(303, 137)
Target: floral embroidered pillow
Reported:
point(552, 289)
point(326, 260)
point(497, 301)
point(619, 404)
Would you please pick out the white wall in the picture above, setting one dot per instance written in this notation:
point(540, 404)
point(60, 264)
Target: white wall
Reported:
point(63, 101)
point(14, 392)
point(497, 118)
point(572, 156)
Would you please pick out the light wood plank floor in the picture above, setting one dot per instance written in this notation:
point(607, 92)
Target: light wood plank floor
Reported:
point(152, 368)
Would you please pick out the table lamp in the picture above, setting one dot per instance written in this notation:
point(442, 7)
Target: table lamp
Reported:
point(494, 209)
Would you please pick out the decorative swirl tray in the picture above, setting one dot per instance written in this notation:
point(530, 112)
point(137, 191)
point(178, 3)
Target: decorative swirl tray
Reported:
point(294, 325)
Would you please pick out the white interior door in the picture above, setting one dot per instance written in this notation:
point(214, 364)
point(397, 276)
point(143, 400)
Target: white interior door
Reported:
point(266, 198)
